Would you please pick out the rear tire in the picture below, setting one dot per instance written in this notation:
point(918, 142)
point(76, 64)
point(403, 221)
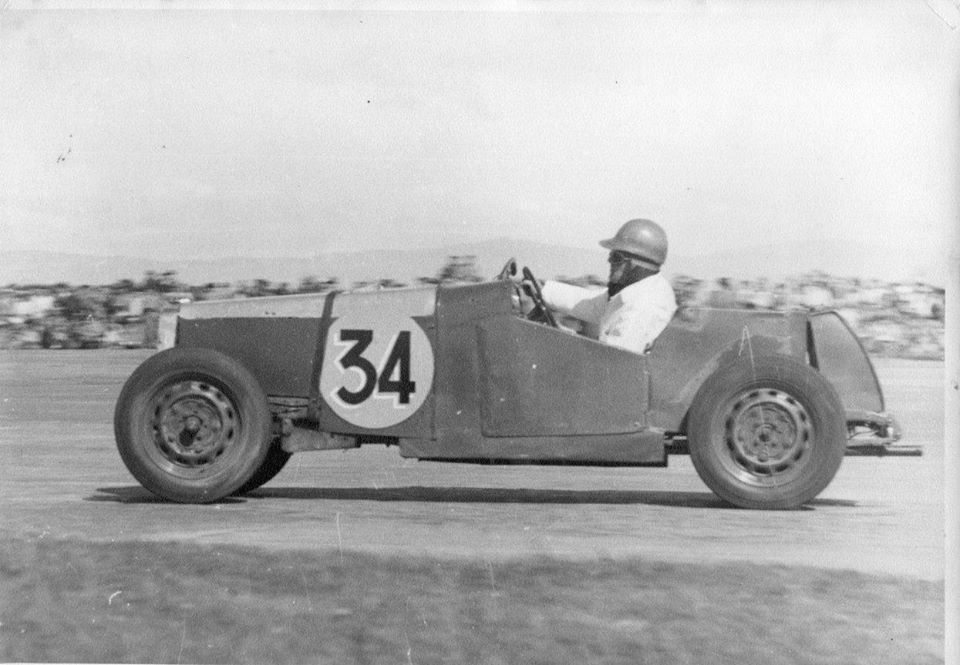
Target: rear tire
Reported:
point(192, 425)
point(767, 433)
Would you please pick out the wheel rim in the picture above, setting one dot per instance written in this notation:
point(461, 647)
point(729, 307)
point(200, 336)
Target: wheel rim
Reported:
point(194, 422)
point(768, 435)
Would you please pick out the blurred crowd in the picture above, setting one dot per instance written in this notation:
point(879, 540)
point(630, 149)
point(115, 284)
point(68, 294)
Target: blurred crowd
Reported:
point(903, 320)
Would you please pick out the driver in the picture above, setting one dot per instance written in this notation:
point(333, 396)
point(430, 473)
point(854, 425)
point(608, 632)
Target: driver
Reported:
point(639, 301)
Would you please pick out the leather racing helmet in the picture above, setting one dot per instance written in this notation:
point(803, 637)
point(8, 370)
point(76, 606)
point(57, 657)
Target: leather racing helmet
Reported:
point(642, 238)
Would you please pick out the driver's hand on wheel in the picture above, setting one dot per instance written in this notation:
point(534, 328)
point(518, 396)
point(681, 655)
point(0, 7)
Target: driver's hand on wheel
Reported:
point(525, 284)
point(519, 283)
point(522, 301)
point(524, 295)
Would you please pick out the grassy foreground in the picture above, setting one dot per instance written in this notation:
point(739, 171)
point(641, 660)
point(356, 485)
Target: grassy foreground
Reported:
point(168, 603)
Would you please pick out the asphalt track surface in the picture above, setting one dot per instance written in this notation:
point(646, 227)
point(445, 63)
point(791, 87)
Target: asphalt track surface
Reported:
point(62, 477)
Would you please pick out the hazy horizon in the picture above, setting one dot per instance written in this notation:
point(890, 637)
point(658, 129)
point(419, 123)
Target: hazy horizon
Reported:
point(770, 262)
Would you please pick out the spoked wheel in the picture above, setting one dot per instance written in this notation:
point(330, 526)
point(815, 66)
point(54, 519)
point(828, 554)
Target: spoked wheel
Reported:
point(192, 425)
point(767, 433)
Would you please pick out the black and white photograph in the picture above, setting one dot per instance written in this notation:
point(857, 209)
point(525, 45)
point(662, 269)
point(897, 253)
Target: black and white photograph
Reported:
point(480, 332)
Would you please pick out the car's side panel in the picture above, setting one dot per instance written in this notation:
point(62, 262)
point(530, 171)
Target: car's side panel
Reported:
point(635, 449)
point(278, 351)
point(379, 362)
point(456, 381)
point(699, 340)
point(381, 415)
point(537, 381)
point(307, 347)
point(274, 337)
point(463, 313)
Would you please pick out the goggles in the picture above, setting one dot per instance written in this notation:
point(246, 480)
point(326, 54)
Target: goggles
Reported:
point(617, 257)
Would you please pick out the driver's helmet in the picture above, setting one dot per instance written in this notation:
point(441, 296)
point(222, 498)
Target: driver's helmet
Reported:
point(642, 238)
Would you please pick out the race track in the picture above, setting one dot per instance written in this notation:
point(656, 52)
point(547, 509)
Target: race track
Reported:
point(62, 477)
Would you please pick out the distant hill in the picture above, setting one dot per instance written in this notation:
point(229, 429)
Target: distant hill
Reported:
point(349, 267)
point(772, 260)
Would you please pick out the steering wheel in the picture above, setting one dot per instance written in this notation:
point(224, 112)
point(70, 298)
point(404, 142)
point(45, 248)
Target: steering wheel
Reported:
point(540, 312)
point(540, 309)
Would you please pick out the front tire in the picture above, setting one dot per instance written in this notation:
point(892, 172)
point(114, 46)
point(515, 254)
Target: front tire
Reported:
point(192, 425)
point(273, 464)
point(767, 433)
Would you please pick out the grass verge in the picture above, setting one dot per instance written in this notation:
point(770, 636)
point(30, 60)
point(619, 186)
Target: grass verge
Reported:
point(177, 603)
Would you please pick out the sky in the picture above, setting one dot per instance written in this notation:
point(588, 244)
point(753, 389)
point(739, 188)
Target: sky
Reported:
point(272, 130)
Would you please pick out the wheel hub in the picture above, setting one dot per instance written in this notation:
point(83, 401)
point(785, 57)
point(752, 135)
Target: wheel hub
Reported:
point(194, 423)
point(768, 432)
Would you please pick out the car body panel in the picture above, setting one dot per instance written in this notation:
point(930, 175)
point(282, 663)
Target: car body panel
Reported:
point(837, 353)
point(451, 372)
point(370, 337)
point(274, 337)
point(698, 341)
point(457, 423)
point(527, 371)
point(280, 352)
point(635, 449)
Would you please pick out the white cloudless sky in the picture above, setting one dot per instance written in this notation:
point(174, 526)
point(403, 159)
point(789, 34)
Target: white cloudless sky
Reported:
point(167, 133)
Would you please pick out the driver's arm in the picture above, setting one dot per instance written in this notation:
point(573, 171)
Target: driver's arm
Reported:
point(580, 303)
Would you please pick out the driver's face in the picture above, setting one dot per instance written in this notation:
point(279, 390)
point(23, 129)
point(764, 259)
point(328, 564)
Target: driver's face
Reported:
point(620, 264)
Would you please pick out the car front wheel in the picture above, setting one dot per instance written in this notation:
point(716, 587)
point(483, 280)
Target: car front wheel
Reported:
point(273, 464)
point(192, 425)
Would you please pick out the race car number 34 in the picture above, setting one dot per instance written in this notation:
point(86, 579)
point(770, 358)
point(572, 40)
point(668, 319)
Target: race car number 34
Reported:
point(376, 373)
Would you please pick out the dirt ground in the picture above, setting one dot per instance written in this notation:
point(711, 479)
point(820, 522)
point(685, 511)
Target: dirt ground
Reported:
point(62, 477)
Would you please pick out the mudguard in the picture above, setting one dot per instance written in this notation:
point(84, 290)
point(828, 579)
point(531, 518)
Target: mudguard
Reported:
point(835, 350)
point(699, 341)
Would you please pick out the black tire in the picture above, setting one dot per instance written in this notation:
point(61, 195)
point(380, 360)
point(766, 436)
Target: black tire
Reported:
point(767, 433)
point(273, 464)
point(192, 425)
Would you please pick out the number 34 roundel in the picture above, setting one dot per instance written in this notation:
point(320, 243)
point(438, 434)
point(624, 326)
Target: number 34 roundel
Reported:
point(376, 373)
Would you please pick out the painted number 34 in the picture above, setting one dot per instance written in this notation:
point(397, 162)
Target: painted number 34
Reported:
point(392, 376)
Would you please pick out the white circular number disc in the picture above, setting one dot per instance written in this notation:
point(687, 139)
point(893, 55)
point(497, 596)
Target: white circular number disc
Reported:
point(376, 373)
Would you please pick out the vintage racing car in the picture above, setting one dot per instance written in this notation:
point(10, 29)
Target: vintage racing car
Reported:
point(766, 403)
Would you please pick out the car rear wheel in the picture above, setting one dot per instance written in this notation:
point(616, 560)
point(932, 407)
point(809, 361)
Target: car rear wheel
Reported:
point(192, 425)
point(767, 433)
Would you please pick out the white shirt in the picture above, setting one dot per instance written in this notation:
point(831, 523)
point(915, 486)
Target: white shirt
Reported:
point(632, 319)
